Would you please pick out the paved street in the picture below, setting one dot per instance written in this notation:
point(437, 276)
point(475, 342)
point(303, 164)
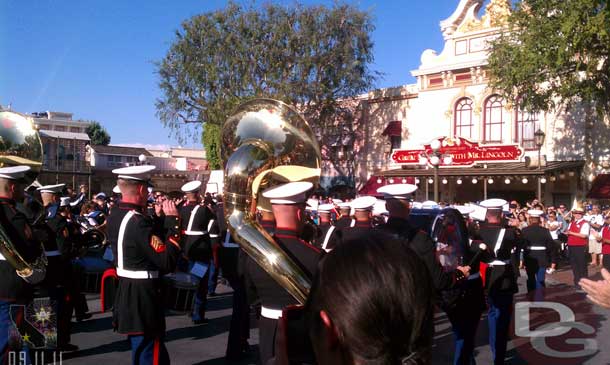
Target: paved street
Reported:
point(188, 344)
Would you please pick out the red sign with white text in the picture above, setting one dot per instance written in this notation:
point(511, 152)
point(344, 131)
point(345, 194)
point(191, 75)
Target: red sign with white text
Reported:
point(462, 151)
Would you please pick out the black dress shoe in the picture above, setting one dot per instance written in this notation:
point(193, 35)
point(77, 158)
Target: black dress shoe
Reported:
point(200, 321)
point(82, 317)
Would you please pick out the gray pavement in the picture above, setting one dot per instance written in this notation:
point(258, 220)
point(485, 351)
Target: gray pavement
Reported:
point(206, 344)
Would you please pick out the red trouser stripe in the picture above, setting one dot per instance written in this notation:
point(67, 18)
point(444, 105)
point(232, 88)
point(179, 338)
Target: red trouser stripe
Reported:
point(156, 352)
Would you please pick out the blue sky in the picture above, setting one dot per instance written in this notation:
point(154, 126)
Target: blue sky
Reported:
point(96, 58)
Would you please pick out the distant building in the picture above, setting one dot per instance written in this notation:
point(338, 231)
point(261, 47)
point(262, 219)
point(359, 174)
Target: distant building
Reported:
point(175, 166)
point(64, 141)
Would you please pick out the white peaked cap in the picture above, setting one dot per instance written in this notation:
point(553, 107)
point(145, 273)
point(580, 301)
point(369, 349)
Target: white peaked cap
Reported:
point(289, 193)
point(363, 202)
point(191, 186)
point(325, 208)
point(14, 172)
point(57, 188)
point(493, 203)
point(312, 204)
point(416, 205)
point(535, 213)
point(379, 208)
point(344, 205)
point(397, 191)
point(429, 204)
point(337, 201)
point(138, 173)
point(116, 189)
point(463, 209)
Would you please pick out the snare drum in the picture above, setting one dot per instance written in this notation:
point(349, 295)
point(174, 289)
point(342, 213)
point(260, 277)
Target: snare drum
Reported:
point(180, 291)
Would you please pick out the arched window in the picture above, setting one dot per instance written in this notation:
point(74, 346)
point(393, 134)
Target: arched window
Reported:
point(492, 121)
point(527, 124)
point(464, 126)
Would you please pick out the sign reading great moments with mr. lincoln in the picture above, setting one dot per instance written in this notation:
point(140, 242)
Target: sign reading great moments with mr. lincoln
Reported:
point(463, 152)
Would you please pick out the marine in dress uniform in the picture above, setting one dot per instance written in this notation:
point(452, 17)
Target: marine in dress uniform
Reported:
point(538, 245)
point(58, 250)
point(363, 207)
point(344, 220)
point(267, 219)
point(328, 234)
point(196, 221)
point(578, 240)
point(14, 288)
point(142, 256)
point(501, 279)
point(288, 201)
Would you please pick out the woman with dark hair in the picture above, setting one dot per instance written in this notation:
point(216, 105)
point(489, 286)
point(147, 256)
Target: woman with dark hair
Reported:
point(371, 302)
point(465, 301)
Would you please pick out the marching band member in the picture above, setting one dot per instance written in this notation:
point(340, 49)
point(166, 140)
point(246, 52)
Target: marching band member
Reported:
point(288, 202)
point(501, 279)
point(196, 244)
point(363, 207)
point(578, 239)
point(14, 289)
point(329, 235)
point(58, 250)
point(142, 257)
point(538, 249)
point(344, 220)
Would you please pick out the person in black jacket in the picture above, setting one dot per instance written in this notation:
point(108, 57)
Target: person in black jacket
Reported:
point(328, 235)
point(538, 245)
point(142, 256)
point(501, 279)
point(288, 202)
point(15, 288)
point(197, 245)
point(363, 211)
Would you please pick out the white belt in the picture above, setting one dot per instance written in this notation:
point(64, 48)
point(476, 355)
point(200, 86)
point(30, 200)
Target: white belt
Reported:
point(136, 274)
point(230, 245)
point(195, 233)
point(214, 235)
point(2, 257)
point(474, 276)
point(499, 263)
point(52, 253)
point(536, 248)
point(271, 313)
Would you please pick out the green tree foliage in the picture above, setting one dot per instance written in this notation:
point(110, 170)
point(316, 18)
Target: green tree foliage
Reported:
point(210, 139)
point(555, 53)
point(307, 56)
point(97, 133)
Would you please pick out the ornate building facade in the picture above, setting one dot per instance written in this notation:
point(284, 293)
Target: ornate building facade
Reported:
point(451, 101)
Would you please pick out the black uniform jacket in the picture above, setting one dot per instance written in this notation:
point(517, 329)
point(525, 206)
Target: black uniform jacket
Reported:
point(425, 248)
point(537, 236)
point(343, 222)
point(499, 278)
point(262, 285)
point(194, 219)
point(139, 303)
point(14, 223)
point(359, 229)
point(59, 267)
point(326, 235)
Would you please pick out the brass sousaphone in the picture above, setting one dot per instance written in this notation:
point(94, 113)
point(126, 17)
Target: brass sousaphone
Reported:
point(262, 135)
point(20, 145)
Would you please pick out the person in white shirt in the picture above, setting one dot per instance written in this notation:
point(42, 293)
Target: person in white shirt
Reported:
point(596, 221)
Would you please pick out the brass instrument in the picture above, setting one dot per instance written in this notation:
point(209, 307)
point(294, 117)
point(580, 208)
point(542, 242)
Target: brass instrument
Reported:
point(20, 145)
point(261, 135)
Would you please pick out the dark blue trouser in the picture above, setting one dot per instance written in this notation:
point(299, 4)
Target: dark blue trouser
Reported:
point(213, 280)
point(201, 298)
point(23, 356)
point(464, 318)
point(535, 277)
point(148, 351)
point(498, 319)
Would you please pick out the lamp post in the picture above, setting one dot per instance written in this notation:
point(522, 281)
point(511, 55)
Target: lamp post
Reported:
point(435, 159)
point(539, 140)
